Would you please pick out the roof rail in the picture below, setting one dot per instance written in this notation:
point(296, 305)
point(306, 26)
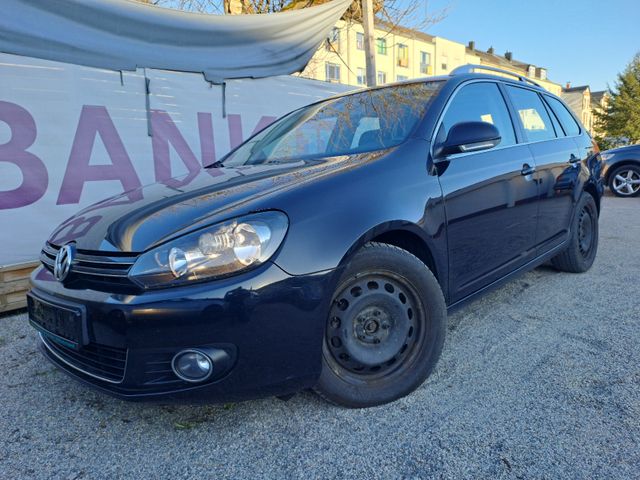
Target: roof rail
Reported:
point(470, 68)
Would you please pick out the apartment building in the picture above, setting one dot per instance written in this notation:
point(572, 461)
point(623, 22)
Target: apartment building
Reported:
point(579, 100)
point(402, 54)
point(599, 102)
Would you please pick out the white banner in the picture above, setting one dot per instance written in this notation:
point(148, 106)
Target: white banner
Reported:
point(71, 135)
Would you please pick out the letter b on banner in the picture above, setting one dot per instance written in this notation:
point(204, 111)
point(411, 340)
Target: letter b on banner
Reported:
point(35, 178)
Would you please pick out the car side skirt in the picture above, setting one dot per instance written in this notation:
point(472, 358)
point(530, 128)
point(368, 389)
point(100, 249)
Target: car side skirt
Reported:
point(536, 262)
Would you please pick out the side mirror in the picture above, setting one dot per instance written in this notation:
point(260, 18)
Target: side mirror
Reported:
point(469, 137)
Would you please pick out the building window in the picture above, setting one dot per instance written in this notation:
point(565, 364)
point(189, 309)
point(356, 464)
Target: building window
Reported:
point(444, 66)
point(360, 41)
point(381, 45)
point(382, 78)
point(333, 72)
point(531, 70)
point(401, 78)
point(543, 74)
point(362, 76)
point(403, 55)
point(425, 63)
point(333, 40)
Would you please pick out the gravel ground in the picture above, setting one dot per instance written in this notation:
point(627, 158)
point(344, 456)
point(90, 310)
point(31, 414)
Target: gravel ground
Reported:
point(539, 379)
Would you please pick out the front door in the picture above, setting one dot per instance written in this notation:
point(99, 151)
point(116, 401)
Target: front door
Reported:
point(490, 196)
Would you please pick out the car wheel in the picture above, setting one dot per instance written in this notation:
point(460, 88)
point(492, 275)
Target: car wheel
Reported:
point(583, 243)
point(625, 181)
point(385, 330)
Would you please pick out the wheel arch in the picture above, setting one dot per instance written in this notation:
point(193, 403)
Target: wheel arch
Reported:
point(409, 237)
point(592, 190)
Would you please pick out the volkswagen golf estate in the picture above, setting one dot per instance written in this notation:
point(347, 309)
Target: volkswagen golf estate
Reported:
point(325, 251)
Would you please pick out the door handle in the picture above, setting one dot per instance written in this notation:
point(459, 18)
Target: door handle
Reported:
point(527, 169)
point(573, 159)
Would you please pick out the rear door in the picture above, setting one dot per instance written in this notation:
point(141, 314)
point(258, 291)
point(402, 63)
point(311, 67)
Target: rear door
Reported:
point(490, 198)
point(557, 166)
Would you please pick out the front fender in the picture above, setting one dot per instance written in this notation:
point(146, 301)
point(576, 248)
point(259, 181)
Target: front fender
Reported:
point(331, 218)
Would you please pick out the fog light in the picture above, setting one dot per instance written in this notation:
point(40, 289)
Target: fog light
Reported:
point(192, 366)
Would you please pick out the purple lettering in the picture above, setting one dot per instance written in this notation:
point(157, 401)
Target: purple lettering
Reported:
point(95, 120)
point(35, 178)
point(165, 132)
point(207, 144)
point(235, 128)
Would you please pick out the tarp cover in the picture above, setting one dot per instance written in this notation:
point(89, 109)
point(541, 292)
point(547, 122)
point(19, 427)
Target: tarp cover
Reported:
point(123, 35)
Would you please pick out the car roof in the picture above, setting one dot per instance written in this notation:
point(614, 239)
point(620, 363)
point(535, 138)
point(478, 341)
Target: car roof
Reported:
point(452, 78)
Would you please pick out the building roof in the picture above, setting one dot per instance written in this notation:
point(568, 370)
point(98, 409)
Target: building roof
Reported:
point(580, 89)
point(596, 97)
point(502, 61)
point(400, 30)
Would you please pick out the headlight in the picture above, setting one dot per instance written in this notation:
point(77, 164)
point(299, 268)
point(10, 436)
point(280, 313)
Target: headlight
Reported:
point(605, 156)
point(216, 251)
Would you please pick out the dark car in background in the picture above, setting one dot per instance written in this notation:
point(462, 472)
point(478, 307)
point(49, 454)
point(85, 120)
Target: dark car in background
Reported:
point(325, 251)
point(621, 171)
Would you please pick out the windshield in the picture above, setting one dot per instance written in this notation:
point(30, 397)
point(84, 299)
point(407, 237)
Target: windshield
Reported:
point(362, 122)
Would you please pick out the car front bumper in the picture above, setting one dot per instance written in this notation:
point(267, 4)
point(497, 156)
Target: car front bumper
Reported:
point(270, 323)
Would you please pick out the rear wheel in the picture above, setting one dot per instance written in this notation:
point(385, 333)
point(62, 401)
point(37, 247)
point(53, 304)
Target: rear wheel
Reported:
point(385, 329)
point(583, 243)
point(625, 181)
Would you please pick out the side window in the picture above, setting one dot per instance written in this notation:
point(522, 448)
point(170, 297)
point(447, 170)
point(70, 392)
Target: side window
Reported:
point(556, 124)
point(479, 102)
point(569, 125)
point(532, 113)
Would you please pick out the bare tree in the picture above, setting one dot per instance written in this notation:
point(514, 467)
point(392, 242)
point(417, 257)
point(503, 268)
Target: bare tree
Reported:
point(393, 15)
point(393, 12)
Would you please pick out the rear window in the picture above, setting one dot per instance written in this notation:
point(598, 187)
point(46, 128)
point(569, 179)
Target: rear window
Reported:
point(569, 124)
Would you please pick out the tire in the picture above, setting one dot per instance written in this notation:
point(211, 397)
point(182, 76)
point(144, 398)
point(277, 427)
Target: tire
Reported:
point(583, 243)
point(385, 330)
point(624, 181)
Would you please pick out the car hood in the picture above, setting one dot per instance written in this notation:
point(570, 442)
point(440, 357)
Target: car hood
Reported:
point(147, 216)
point(629, 149)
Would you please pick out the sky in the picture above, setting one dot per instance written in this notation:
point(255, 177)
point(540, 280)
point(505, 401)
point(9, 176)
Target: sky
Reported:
point(586, 42)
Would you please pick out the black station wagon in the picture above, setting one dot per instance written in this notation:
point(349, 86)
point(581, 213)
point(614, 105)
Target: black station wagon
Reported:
point(325, 251)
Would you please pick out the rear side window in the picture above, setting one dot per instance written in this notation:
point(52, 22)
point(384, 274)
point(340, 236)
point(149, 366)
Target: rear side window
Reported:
point(532, 114)
point(479, 102)
point(569, 124)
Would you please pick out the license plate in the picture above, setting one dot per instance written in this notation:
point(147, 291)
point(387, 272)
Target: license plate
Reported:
point(63, 323)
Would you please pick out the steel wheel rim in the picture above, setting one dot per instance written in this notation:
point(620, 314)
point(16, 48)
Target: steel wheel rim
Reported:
point(626, 182)
point(359, 349)
point(586, 232)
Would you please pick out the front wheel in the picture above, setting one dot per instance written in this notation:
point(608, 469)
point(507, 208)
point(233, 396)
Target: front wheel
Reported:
point(583, 242)
point(385, 330)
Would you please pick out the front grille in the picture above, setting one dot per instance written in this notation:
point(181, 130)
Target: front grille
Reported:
point(98, 361)
point(99, 268)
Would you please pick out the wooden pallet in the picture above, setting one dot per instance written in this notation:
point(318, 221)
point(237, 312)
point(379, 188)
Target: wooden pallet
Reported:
point(14, 284)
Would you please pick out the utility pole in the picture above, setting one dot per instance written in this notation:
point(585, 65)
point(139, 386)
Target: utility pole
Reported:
point(369, 51)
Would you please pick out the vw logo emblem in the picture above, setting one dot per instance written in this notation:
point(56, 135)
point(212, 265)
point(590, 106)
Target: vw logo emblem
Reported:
point(62, 265)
